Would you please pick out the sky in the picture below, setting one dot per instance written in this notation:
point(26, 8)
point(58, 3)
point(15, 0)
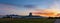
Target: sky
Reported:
point(24, 7)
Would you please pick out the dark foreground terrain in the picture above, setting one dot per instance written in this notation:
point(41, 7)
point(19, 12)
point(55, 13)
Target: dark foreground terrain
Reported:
point(26, 20)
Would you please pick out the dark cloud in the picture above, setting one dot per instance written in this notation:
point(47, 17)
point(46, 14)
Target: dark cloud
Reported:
point(11, 2)
point(30, 6)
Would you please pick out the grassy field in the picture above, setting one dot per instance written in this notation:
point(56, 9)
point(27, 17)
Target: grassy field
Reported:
point(26, 20)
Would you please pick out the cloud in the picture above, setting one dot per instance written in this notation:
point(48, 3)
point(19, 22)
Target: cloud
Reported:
point(51, 11)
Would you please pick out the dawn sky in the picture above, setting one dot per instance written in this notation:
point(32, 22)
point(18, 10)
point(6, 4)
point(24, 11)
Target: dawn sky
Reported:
point(23, 7)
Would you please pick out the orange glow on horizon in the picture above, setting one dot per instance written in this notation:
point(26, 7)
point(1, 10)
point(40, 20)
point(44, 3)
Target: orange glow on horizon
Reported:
point(47, 13)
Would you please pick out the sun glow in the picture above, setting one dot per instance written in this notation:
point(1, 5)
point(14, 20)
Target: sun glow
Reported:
point(46, 13)
point(52, 11)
